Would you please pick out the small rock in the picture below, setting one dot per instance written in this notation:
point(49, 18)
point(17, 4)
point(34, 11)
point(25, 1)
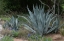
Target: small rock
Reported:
point(1, 36)
point(1, 27)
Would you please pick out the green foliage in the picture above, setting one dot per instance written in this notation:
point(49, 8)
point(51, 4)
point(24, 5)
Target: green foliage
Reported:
point(7, 38)
point(47, 39)
point(2, 5)
point(63, 6)
point(39, 38)
point(5, 17)
point(41, 22)
point(15, 33)
point(20, 5)
point(13, 24)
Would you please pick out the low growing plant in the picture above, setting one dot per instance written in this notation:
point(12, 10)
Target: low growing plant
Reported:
point(7, 38)
point(39, 38)
point(15, 33)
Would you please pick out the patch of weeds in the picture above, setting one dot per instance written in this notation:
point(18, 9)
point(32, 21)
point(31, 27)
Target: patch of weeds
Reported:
point(39, 38)
point(7, 38)
point(15, 33)
point(5, 18)
point(62, 31)
point(6, 32)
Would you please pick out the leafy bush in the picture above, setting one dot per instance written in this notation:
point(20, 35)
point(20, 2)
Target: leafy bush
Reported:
point(7, 38)
point(41, 22)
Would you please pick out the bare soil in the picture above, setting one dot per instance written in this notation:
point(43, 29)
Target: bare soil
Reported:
point(55, 37)
point(20, 39)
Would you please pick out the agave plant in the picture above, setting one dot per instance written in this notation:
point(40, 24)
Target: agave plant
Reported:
point(12, 24)
point(41, 22)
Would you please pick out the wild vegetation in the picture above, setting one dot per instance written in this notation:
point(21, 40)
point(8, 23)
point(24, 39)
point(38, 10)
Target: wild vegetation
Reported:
point(39, 22)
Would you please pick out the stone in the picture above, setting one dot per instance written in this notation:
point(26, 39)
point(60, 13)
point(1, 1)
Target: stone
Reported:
point(1, 27)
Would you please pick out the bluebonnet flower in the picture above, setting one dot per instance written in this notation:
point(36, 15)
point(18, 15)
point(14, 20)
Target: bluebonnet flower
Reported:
point(29, 35)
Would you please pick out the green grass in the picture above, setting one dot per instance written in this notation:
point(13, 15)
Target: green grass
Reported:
point(39, 38)
point(5, 17)
point(15, 33)
point(7, 38)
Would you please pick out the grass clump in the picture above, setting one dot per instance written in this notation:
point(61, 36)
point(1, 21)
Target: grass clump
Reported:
point(7, 38)
point(15, 33)
point(39, 38)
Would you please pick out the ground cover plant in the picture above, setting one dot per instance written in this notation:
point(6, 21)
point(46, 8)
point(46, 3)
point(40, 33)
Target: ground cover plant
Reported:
point(5, 17)
point(39, 38)
point(7, 38)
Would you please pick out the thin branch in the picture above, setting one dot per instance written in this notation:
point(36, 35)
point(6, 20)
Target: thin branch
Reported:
point(54, 1)
point(54, 6)
point(44, 4)
point(58, 7)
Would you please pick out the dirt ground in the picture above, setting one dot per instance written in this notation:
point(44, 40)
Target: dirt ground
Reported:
point(55, 37)
point(19, 40)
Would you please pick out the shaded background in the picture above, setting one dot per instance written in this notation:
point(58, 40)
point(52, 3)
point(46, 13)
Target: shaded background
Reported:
point(21, 5)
